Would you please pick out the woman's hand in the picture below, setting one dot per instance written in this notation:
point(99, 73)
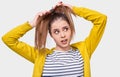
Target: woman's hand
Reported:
point(42, 13)
point(38, 15)
point(63, 4)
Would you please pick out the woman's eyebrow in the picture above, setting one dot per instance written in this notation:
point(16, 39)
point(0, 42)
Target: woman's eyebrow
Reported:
point(55, 29)
point(65, 27)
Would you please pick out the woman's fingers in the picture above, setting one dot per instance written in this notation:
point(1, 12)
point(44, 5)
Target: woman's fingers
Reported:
point(58, 4)
point(42, 13)
point(62, 4)
point(37, 16)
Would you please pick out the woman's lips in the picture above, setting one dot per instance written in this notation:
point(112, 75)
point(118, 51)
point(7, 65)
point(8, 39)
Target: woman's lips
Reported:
point(64, 41)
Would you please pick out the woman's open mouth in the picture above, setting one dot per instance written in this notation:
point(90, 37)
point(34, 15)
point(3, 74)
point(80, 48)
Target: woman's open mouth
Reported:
point(64, 41)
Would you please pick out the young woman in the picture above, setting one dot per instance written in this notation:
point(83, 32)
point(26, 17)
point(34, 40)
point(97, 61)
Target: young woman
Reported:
point(64, 59)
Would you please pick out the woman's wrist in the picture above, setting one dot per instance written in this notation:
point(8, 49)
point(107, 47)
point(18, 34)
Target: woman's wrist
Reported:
point(31, 24)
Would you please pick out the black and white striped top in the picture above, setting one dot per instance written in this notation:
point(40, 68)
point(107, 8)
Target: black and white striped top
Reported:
point(64, 64)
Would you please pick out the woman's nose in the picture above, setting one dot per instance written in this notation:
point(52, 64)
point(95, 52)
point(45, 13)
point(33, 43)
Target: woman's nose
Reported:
point(62, 34)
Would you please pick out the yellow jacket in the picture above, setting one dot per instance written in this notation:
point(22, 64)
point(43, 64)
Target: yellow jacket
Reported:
point(86, 47)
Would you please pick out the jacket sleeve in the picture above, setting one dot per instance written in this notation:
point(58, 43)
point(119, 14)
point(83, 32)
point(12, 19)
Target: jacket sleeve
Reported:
point(23, 49)
point(99, 23)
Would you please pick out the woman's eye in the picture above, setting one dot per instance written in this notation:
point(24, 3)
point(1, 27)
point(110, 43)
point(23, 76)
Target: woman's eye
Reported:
point(65, 29)
point(56, 32)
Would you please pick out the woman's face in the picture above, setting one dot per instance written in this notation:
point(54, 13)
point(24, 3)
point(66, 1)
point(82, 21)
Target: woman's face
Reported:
point(61, 33)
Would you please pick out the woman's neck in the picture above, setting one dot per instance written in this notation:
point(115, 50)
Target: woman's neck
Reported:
point(63, 48)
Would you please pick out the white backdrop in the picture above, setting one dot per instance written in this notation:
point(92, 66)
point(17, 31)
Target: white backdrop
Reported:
point(104, 62)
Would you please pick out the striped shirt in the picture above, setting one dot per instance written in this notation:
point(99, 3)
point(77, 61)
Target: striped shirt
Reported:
point(64, 64)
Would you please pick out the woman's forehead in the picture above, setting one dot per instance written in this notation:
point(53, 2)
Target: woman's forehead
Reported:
point(59, 24)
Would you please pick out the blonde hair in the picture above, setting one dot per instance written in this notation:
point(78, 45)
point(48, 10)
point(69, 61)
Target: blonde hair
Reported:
point(44, 24)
